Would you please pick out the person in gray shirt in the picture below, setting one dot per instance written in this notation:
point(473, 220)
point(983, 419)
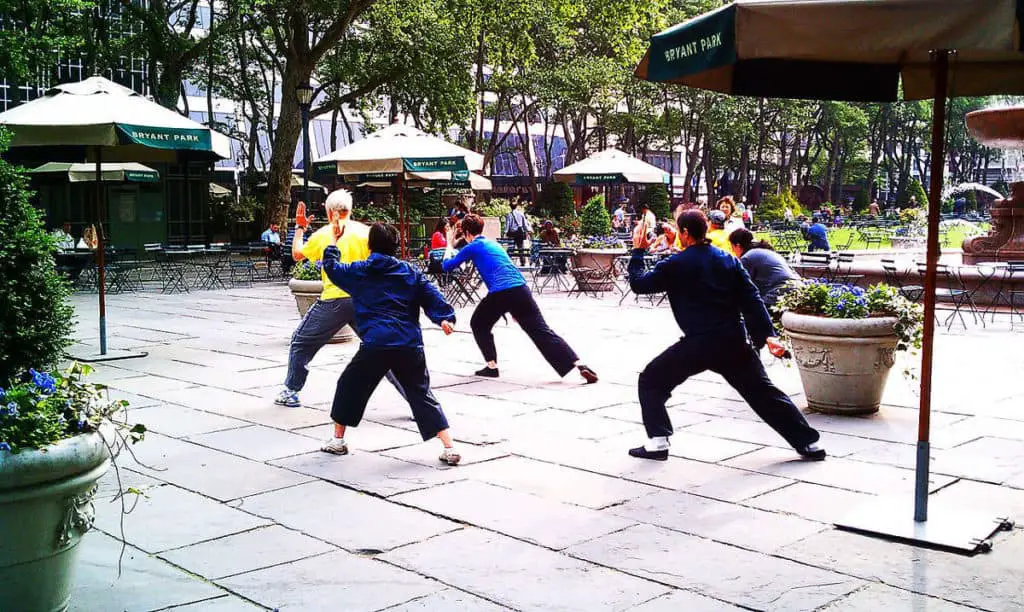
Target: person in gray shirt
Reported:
point(766, 268)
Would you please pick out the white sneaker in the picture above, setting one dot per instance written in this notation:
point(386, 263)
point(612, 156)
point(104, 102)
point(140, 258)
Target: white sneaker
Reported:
point(450, 456)
point(287, 397)
point(335, 446)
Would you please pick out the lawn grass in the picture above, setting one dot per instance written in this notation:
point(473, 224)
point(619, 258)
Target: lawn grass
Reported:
point(839, 235)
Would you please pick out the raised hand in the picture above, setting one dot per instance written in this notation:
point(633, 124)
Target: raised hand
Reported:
point(300, 216)
point(338, 229)
point(775, 347)
point(447, 327)
point(640, 240)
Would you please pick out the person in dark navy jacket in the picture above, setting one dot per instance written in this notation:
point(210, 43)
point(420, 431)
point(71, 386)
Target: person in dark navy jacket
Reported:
point(388, 295)
point(724, 323)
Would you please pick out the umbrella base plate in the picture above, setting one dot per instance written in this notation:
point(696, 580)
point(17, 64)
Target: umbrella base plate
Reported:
point(950, 528)
point(90, 355)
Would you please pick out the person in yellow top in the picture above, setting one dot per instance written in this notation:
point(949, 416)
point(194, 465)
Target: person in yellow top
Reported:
point(717, 234)
point(334, 310)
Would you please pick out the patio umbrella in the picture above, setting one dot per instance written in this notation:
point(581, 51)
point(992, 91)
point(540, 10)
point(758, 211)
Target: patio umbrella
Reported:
point(220, 192)
point(397, 153)
point(859, 50)
point(128, 172)
point(100, 114)
point(296, 182)
point(611, 166)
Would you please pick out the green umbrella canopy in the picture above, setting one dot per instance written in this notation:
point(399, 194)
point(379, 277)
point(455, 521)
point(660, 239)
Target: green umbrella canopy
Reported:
point(126, 172)
point(99, 112)
point(856, 50)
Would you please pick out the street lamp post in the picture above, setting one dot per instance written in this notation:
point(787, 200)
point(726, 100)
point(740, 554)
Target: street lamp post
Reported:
point(304, 94)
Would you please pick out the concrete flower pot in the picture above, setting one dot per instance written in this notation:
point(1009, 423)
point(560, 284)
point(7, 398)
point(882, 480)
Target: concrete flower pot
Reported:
point(843, 363)
point(45, 508)
point(306, 293)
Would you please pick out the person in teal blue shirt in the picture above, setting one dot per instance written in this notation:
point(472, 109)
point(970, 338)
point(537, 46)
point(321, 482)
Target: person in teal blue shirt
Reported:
point(507, 292)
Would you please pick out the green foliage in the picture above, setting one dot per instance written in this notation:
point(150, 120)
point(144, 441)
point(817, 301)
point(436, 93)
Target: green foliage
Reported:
point(570, 225)
point(861, 201)
point(424, 203)
point(555, 200)
point(496, 207)
point(915, 190)
point(655, 197)
point(595, 220)
point(851, 302)
point(43, 409)
point(306, 270)
point(909, 216)
point(1002, 187)
point(972, 201)
point(773, 207)
point(35, 317)
point(231, 210)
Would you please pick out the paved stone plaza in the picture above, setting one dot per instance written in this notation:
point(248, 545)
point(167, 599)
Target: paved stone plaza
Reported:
point(242, 512)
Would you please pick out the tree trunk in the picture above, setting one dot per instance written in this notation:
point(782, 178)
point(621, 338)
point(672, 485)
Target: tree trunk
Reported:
point(743, 175)
point(286, 137)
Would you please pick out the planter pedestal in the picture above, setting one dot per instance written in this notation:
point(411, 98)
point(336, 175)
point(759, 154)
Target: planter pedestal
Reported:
point(306, 294)
point(844, 363)
point(46, 506)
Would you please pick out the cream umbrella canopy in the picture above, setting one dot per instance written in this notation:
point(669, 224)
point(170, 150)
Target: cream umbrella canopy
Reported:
point(101, 115)
point(859, 50)
point(611, 166)
point(400, 153)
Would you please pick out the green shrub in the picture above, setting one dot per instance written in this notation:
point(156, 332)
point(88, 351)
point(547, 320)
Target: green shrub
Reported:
point(773, 207)
point(555, 200)
point(306, 270)
point(35, 318)
point(917, 191)
point(1002, 187)
point(972, 201)
point(655, 197)
point(595, 220)
point(861, 201)
point(570, 225)
point(497, 207)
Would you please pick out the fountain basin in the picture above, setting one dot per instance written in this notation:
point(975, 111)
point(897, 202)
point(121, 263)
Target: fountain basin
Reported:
point(1000, 128)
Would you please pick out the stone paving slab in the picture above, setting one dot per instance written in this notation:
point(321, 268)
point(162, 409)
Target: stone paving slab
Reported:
point(685, 600)
point(368, 472)
point(745, 578)
point(717, 520)
point(145, 583)
point(428, 453)
point(520, 515)
point(178, 513)
point(178, 421)
point(812, 501)
point(880, 597)
point(256, 442)
point(987, 581)
point(332, 582)
point(247, 551)
point(345, 518)
point(228, 603)
point(557, 482)
point(523, 576)
point(368, 437)
point(206, 471)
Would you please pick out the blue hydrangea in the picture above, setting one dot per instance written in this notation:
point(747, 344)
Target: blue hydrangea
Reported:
point(43, 381)
point(2, 393)
point(5, 446)
point(12, 409)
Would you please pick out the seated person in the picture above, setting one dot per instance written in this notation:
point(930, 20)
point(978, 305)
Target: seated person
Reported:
point(549, 235)
point(816, 234)
point(766, 268)
point(665, 242)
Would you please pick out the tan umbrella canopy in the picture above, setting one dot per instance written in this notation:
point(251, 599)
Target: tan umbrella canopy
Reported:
point(220, 192)
point(296, 182)
point(611, 166)
point(399, 154)
point(104, 116)
point(857, 50)
point(123, 172)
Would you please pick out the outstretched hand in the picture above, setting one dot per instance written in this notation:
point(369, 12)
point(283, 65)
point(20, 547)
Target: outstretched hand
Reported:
point(447, 327)
point(301, 220)
point(338, 229)
point(775, 347)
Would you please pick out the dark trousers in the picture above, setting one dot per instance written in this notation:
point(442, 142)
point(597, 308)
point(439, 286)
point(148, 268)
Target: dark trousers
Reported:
point(364, 373)
point(519, 239)
point(322, 321)
point(738, 363)
point(519, 302)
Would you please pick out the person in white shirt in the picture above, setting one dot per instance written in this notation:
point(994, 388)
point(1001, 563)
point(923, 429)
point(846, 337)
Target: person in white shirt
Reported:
point(270, 235)
point(63, 237)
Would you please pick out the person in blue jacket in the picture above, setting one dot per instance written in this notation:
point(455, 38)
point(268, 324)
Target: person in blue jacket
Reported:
point(817, 235)
point(725, 325)
point(387, 295)
point(507, 293)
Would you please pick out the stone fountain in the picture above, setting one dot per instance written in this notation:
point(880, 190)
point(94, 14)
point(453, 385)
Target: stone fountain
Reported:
point(1001, 128)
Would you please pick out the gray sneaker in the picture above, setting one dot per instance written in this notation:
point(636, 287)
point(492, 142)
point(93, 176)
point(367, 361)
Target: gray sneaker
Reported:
point(288, 398)
point(450, 456)
point(335, 446)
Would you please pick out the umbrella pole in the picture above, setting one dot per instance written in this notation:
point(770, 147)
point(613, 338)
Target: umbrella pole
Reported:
point(101, 273)
point(941, 65)
point(402, 221)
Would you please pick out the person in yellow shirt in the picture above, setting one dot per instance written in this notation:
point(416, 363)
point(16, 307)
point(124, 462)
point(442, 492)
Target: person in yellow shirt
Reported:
point(717, 234)
point(334, 310)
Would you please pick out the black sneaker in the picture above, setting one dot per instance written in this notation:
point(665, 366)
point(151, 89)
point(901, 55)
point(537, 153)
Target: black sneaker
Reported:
point(642, 453)
point(488, 372)
point(588, 375)
point(812, 452)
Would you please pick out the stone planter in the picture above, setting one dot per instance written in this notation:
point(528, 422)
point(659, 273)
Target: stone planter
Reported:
point(843, 363)
point(598, 259)
point(306, 293)
point(46, 506)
